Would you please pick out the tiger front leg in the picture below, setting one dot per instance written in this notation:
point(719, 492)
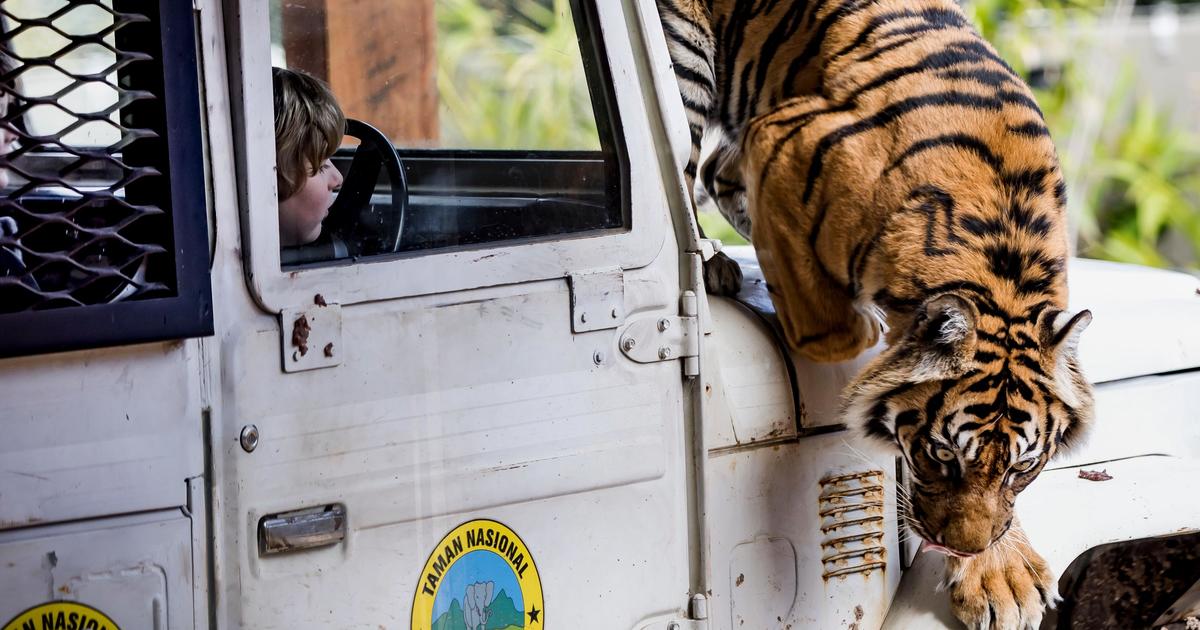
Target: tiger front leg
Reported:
point(1006, 587)
point(801, 262)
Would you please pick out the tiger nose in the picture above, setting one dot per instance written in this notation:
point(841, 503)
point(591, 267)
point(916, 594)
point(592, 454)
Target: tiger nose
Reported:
point(969, 535)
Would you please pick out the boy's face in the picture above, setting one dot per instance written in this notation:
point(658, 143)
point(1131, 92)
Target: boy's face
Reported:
point(7, 137)
point(301, 214)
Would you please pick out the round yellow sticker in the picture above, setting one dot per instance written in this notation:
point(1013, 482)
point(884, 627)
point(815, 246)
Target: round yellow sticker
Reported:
point(61, 616)
point(480, 576)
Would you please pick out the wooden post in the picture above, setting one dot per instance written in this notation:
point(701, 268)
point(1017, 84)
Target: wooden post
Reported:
point(305, 42)
point(377, 55)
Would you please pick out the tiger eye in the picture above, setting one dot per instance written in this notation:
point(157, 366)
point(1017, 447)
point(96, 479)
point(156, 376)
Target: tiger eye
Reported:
point(943, 454)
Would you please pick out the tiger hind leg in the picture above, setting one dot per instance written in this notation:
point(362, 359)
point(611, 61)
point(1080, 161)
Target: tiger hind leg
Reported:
point(818, 313)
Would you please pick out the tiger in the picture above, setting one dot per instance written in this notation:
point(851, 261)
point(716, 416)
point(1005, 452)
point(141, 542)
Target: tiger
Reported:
point(898, 182)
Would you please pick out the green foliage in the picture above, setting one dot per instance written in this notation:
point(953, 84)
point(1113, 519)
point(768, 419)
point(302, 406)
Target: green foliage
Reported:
point(1148, 189)
point(510, 76)
point(715, 226)
point(1143, 174)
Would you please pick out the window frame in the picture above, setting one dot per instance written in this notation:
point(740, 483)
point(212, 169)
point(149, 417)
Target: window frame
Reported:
point(449, 270)
point(189, 313)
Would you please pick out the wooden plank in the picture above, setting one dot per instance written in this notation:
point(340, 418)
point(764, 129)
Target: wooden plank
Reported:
point(305, 43)
point(383, 66)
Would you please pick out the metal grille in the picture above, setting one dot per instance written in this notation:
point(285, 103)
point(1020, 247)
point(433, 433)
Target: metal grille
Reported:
point(84, 216)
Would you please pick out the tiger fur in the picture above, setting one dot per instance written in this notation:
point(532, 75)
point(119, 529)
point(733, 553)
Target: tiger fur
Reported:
point(896, 178)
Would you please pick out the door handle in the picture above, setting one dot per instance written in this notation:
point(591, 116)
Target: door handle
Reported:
point(302, 529)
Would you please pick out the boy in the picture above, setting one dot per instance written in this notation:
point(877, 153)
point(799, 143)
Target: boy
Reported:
point(308, 130)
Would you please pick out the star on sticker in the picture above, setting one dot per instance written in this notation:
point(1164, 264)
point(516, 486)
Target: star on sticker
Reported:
point(533, 614)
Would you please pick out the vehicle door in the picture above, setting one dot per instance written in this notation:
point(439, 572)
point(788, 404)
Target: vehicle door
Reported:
point(434, 418)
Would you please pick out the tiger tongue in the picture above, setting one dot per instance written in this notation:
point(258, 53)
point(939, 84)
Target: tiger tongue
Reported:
point(928, 546)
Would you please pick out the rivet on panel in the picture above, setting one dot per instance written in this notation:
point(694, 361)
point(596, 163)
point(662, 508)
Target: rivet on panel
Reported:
point(628, 344)
point(664, 324)
point(249, 438)
point(664, 353)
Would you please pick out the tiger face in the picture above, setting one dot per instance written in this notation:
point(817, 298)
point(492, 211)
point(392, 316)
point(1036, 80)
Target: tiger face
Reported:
point(976, 403)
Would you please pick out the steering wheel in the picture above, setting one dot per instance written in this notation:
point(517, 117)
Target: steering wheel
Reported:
point(355, 226)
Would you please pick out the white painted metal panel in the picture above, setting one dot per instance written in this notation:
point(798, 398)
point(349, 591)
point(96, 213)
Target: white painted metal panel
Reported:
point(1150, 415)
point(748, 371)
point(137, 570)
point(815, 497)
point(1144, 319)
point(488, 407)
point(98, 432)
point(821, 386)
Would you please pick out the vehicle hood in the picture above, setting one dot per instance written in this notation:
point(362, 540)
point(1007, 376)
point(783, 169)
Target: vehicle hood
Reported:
point(1146, 321)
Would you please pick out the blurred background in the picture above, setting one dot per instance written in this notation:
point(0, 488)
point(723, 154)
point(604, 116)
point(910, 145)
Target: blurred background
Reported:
point(1119, 81)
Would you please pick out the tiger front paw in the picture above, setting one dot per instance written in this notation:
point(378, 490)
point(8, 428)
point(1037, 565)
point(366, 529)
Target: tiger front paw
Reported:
point(1007, 587)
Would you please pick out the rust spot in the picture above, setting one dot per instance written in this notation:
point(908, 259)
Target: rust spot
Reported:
point(329, 349)
point(300, 332)
point(708, 388)
point(64, 589)
point(740, 578)
point(856, 569)
point(853, 492)
point(852, 502)
point(837, 479)
point(1095, 475)
point(840, 508)
point(872, 520)
point(858, 616)
point(319, 300)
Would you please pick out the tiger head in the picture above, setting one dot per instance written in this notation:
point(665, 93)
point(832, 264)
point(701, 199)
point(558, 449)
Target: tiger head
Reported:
point(977, 402)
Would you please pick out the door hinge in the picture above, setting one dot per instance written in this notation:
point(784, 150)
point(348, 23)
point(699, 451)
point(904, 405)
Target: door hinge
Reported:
point(669, 338)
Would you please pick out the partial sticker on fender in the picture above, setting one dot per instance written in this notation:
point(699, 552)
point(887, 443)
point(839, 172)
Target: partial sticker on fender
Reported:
point(480, 576)
point(61, 616)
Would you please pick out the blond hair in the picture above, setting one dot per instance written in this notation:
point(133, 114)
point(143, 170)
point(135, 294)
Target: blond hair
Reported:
point(309, 125)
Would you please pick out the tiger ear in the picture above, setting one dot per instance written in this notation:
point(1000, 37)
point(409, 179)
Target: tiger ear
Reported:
point(1060, 332)
point(943, 333)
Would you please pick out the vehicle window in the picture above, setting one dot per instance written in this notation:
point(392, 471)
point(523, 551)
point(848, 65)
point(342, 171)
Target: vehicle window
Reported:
point(102, 225)
point(469, 122)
